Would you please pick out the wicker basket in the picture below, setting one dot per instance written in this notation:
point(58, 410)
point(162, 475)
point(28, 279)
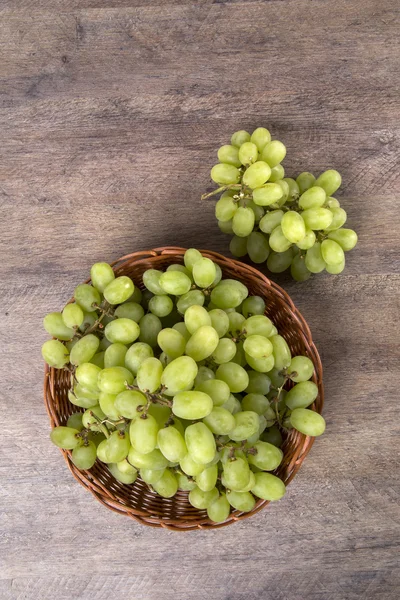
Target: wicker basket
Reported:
point(137, 501)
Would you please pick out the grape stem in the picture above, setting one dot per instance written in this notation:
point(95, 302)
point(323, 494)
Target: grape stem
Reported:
point(103, 428)
point(223, 188)
point(155, 398)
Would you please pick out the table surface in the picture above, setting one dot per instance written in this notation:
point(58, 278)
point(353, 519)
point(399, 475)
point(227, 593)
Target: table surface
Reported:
point(112, 111)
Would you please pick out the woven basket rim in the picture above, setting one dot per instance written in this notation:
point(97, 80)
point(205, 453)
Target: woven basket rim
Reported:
point(304, 443)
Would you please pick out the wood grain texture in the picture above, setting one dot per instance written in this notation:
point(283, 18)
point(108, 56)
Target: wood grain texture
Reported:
point(111, 114)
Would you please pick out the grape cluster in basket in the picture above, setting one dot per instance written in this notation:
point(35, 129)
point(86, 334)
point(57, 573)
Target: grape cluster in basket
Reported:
point(279, 220)
point(181, 384)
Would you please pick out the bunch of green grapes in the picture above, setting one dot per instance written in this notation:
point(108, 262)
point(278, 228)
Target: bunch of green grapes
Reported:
point(279, 220)
point(182, 384)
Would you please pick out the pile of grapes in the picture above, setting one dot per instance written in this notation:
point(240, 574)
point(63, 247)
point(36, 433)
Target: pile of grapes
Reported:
point(275, 219)
point(181, 384)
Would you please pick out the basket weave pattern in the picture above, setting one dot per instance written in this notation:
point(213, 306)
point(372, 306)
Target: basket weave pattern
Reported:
point(138, 501)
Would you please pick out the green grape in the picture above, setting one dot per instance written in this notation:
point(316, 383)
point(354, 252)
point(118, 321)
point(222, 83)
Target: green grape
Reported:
point(180, 268)
point(229, 155)
point(204, 272)
point(220, 421)
point(190, 467)
point(84, 349)
point(330, 181)
point(195, 317)
point(143, 433)
point(257, 210)
point(102, 452)
point(314, 197)
point(55, 326)
point(268, 487)
point(339, 218)
point(85, 456)
point(126, 478)
point(256, 403)
point(317, 218)
point(181, 327)
point(146, 298)
point(101, 275)
point(253, 305)
point(117, 446)
point(285, 193)
point(151, 279)
point(301, 395)
point(232, 404)
point(299, 269)
point(114, 356)
point(175, 283)
point(107, 405)
point(192, 405)
point(274, 331)
point(277, 241)
point(257, 325)
point(200, 441)
point(307, 422)
point(55, 354)
point(218, 390)
point(305, 181)
point(75, 421)
point(167, 485)
point(236, 473)
point(149, 374)
point(276, 377)
point(225, 174)
point(281, 352)
point(136, 296)
point(257, 346)
point(171, 444)
point(238, 246)
point(271, 220)
point(277, 173)
point(293, 227)
point(224, 352)
point(218, 275)
point(151, 476)
point(243, 221)
point(279, 261)
point(259, 383)
point(104, 344)
point(150, 326)
point(267, 458)
point(219, 510)
point(87, 374)
point(202, 343)
point(91, 417)
point(332, 253)
point(72, 316)
point(314, 260)
point(161, 306)
point(346, 238)
point(240, 357)
point(65, 437)
point(207, 479)
point(202, 500)
point(301, 368)
point(136, 354)
point(335, 269)
point(246, 424)
point(267, 194)
point(153, 460)
point(260, 137)
point(204, 374)
point(272, 435)
point(219, 321)
point(262, 365)
point(87, 297)
point(130, 403)
point(171, 342)
point(191, 256)
point(257, 247)
point(256, 175)
point(98, 360)
point(273, 153)
point(229, 293)
point(248, 153)
point(85, 398)
point(113, 379)
point(294, 190)
point(179, 375)
point(191, 298)
point(242, 501)
point(236, 321)
point(123, 331)
point(162, 414)
point(308, 240)
point(119, 290)
point(239, 138)
point(234, 375)
point(125, 467)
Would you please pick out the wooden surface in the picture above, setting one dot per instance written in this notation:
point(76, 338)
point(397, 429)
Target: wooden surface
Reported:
point(112, 111)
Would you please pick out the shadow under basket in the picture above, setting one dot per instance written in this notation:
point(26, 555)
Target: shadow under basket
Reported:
point(137, 500)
